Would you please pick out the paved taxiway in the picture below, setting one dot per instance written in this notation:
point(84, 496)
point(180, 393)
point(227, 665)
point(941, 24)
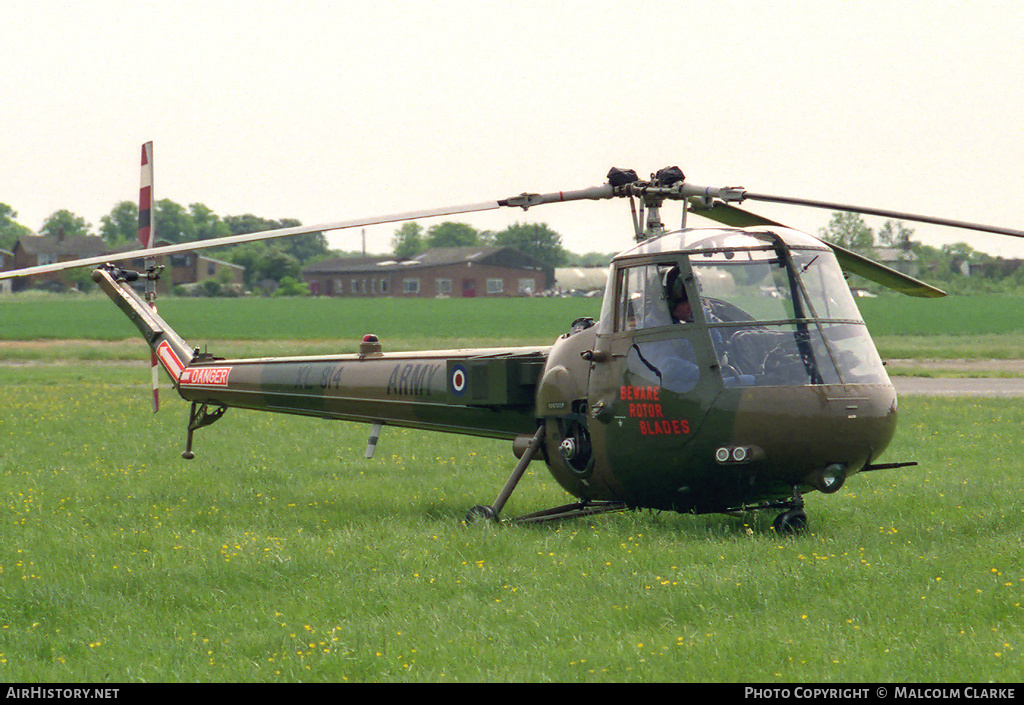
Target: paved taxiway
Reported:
point(959, 387)
point(980, 386)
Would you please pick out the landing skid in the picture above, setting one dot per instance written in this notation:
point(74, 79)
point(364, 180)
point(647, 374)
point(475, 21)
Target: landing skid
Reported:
point(792, 521)
point(568, 511)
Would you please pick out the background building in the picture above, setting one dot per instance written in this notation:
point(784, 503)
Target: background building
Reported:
point(581, 281)
point(451, 271)
point(38, 250)
point(6, 262)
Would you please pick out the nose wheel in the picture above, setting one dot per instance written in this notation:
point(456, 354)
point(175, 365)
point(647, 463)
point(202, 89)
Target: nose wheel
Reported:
point(792, 521)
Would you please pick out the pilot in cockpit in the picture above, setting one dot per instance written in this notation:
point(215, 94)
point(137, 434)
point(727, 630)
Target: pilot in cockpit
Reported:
point(676, 297)
point(671, 362)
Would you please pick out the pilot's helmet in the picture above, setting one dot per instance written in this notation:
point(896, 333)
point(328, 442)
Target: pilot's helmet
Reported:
point(675, 292)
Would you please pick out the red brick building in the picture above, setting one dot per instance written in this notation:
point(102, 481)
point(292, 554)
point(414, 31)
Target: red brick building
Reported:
point(38, 250)
point(450, 271)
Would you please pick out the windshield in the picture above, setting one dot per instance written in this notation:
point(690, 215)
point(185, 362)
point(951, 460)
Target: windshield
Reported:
point(784, 317)
point(773, 314)
point(759, 283)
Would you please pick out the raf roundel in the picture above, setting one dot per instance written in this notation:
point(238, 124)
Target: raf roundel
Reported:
point(458, 380)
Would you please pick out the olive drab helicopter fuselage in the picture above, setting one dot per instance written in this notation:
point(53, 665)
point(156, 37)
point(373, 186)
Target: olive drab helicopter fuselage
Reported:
point(773, 388)
point(763, 387)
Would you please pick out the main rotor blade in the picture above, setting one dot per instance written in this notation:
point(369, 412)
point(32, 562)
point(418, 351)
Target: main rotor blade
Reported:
point(848, 260)
point(886, 276)
point(732, 216)
point(249, 237)
point(898, 215)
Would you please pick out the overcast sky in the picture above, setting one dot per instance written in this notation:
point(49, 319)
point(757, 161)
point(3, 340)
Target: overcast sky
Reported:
point(326, 111)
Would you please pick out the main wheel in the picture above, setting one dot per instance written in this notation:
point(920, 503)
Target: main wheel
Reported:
point(791, 522)
point(482, 511)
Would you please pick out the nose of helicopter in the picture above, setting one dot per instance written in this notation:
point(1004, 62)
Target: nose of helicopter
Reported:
point(816, 435)
point(752, 445)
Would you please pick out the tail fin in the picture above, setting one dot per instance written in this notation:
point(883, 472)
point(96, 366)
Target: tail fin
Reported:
point(147, 236)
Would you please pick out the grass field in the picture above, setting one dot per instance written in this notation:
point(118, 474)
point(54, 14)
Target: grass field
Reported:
point(509, 320)
point(36, 327)
point(280, 554)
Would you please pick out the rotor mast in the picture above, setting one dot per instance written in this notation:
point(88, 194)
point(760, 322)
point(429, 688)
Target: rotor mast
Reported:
point(667, 184)
point(670, 184)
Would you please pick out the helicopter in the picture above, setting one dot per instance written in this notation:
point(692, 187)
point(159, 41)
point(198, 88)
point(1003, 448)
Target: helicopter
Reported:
point(729, 371)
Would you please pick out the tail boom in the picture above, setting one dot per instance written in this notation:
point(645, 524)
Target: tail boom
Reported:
point(168, 348)
point(489, 393)
point(427, 390)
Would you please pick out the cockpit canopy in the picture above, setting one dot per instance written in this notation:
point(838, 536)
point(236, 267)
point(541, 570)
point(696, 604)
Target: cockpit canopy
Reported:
point(773, 305)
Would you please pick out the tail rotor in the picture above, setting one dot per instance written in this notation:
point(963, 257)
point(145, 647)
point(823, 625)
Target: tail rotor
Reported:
point(147, 236)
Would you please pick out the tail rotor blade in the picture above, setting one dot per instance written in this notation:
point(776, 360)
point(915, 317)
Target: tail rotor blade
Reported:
point(146, 230)
point(155, 374)
point(147, 237)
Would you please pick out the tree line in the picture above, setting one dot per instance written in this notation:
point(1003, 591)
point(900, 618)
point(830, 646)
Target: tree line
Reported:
point(275, 261)
point(957, 267)
point(285, 258)
point(537, 240)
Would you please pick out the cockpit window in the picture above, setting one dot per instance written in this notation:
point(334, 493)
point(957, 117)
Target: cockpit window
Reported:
point(783, 317)
point(652, 297)
point(826, 288)
point(642, 302)
point(772, 315)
